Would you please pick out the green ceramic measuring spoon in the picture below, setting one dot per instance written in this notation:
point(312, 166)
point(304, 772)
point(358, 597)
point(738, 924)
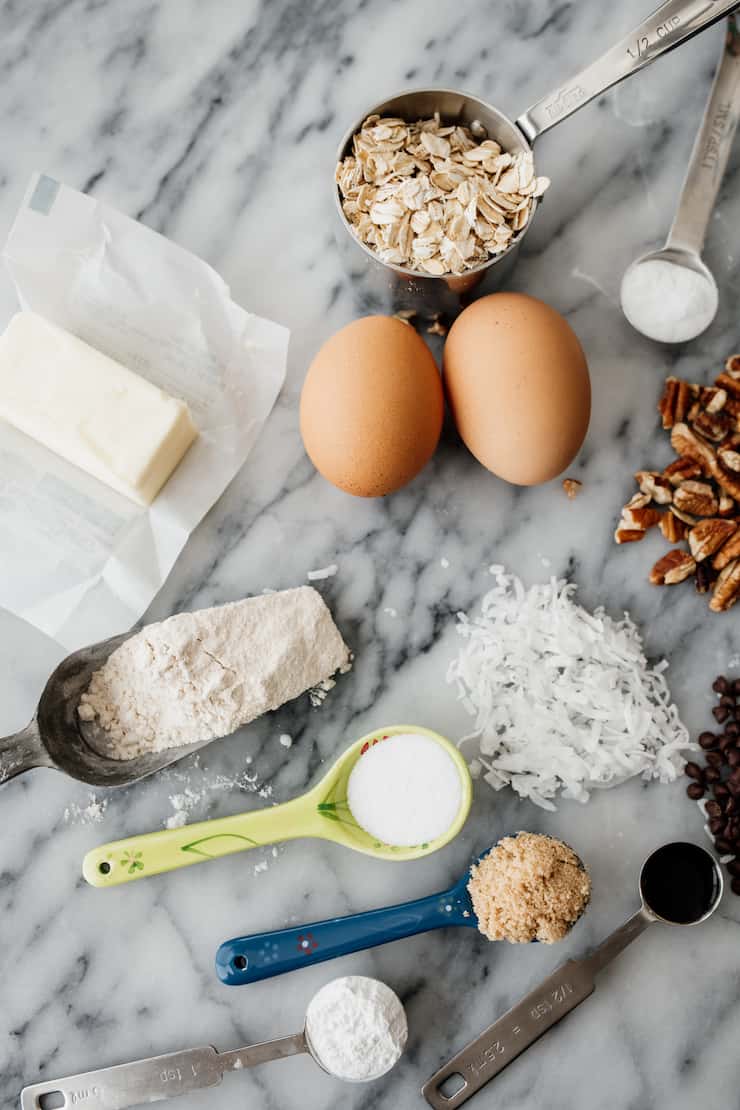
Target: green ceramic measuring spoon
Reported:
point(322, 812)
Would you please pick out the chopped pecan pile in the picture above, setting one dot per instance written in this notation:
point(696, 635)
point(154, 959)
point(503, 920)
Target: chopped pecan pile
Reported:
point(696, 499)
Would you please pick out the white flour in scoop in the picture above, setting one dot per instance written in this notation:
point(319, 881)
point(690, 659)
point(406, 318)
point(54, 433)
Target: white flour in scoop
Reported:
point(198, 676)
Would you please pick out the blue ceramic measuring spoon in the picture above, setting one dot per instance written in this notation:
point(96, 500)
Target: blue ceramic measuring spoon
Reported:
point(263, 955)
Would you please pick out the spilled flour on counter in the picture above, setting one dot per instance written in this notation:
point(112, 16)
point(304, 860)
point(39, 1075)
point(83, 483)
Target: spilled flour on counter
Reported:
point(90, 814)
point(198, 676)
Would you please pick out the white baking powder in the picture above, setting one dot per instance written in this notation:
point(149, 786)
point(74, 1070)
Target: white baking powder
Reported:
point(201, 675)
point(356, 1028)
point(667, 301)
point(405, 790)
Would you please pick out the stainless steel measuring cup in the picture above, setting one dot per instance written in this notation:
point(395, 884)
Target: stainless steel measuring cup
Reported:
point(388, 285)
point(663, 900)
point(57, 738)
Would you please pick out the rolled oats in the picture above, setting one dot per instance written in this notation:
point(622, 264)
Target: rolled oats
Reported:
point(431, 198)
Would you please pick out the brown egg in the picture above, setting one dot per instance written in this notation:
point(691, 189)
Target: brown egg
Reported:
point(517, 382)
point(372, 406)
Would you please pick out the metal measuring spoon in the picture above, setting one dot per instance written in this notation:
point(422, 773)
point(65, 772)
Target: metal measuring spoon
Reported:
point(57, 738)
point(671, 24)
point(680, 884)
point(175, 1073)
point(264, 955)
point(694, 290)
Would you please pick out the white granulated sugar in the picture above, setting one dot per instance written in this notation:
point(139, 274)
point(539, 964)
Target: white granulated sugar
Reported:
point(668, 302)
point(390, 611)
point(260, 867)
point(356, 1028)
point(322, 572)
point(405, 790)
point(444, 562)
point(198, 676)
point(563, 700)
point(286, 740)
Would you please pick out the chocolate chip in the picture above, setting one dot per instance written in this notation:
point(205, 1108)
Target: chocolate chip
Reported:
point(734, 867)
point(720, 713)
point(716, 759)
point(695, 791)
point(693, 771)
point(722, 845)
point(720, 791)
point(730, 806)
point(712, 774)
point(707, 741)
point(714, 809)
point(716, 825)
point(733, 787)
point(726, 741)
point(735, 886)
point(720, 684)
point(729, 701)
point(736, 687)
point(732, 728)
point(733, 757)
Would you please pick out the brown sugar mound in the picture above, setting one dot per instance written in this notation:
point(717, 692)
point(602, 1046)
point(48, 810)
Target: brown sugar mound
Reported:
point(529, 887)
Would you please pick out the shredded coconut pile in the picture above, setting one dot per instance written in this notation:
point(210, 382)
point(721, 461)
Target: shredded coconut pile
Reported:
point(563, 700)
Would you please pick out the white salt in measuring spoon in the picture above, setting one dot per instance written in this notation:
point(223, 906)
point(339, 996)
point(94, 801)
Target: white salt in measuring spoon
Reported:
point(670, 295)
point(178, 1073)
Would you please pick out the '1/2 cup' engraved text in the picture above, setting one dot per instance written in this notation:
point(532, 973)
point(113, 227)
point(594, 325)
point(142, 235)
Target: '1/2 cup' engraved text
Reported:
point(643, 45)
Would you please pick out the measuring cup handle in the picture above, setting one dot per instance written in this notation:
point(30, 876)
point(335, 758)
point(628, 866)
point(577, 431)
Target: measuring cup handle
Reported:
point(667, 27)
point(711, 150)
point(264, 955)
point(136, 857)
point(21, 752)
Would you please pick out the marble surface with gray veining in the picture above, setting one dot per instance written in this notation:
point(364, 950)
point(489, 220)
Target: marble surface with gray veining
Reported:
point(217, 124)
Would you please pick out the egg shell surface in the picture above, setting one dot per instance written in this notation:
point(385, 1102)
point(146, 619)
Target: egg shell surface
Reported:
point(372, 406)
point(518, 387)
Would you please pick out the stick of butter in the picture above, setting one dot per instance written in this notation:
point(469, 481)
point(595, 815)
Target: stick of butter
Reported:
point(90, 409)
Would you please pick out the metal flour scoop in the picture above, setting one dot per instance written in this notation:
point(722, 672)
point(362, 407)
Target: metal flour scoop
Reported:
point(57, 738)
point(671, 24)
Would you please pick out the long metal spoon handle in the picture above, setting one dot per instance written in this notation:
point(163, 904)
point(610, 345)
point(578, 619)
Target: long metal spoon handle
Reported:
point(157, 1078)
point(525, 1023)
point(711, 149)
point(667, 27)
point(21, 752)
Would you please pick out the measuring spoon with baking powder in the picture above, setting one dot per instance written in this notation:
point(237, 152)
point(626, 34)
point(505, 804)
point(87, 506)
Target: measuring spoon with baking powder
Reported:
point(263, 955)
point(694, 297)
point(323, 812)
point(176, 1073)
point(680, 884)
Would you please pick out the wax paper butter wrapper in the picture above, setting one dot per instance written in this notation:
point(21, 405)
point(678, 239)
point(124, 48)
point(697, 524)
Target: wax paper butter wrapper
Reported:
point(78, 560)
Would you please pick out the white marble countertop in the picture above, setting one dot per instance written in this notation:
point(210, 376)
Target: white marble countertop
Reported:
point(217, 125)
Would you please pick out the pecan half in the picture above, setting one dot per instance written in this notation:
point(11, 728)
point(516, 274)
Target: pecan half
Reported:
point(726, 588)
point(714, 426)
point(643, 518)
point(712, 399)
point(728, 479)
point(730, 550)
point(732, 366)
point(672, 528)
point(729, 458)
point(686, 444)
point(655, 486)
point(637, 501)
point(696, 498)
point(681, 469)
point(676, 401)
point(726, 505)
point(729, 383)
point(707, 536)
point(674, 567)
point(628, 535)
